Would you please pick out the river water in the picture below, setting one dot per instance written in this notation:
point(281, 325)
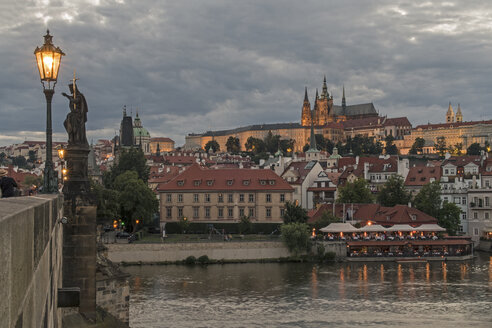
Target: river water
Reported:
point(440, 294)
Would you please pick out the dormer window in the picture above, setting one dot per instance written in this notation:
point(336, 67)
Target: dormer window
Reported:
point(229, 182)
point(181, 183)
point(272, 182)
point(210, 182)
point(263, 182)
point(246, 182)
point(414, 217)
point(197, 183)
point(387, 218)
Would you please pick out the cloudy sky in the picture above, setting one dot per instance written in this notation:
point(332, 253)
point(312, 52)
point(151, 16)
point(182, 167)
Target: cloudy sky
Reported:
point(192, 66)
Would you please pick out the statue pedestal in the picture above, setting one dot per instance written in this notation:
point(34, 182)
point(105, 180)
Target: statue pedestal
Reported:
point(79, 235)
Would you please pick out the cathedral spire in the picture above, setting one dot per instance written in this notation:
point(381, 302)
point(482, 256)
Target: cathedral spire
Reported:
point(450, 114)
point(344, 105)
point(312, 141)
point(305, 95)
point(459, 115)
point(124, 110)
point(306, 110)
point(324, 93)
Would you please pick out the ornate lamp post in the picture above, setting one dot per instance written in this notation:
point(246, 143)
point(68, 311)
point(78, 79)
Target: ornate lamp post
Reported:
point(48, 58)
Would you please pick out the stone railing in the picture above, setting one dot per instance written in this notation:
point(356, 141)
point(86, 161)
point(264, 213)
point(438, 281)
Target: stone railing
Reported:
point(31, 242)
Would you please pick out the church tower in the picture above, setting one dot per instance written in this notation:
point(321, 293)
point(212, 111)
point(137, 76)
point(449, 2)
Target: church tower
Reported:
point(323, 108)
point(450, 114)
point(315, 113)
point(459, 115)
point(306, 110)
point(344, 104)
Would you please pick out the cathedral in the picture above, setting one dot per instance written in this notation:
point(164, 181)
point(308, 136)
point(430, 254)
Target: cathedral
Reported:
point(324, 111)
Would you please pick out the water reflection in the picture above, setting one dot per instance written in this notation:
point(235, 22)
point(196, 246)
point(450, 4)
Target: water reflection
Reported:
point(305, 295)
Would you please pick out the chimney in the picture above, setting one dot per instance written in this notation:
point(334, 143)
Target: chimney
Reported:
point(357, 160)
point(409, 204)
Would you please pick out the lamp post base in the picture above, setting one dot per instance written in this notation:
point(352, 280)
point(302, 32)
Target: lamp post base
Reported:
point(50, 181)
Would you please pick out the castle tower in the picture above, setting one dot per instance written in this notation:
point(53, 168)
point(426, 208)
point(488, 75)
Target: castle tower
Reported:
point(450, 114)
point(306, 110)
point(459, 115)
point(323, 107)
point(126, 130)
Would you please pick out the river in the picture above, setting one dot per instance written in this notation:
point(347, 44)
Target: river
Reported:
point(439, 294)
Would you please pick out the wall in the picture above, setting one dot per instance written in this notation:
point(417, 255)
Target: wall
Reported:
point(30, 261)
point(149, 253)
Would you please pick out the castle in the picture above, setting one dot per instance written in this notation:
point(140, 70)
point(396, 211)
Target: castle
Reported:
point(324, 111)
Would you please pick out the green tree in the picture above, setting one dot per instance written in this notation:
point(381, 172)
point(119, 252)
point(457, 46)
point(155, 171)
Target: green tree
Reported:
point(108, 206)
point(232, 145)
point(390, 147)
point(296, 237)
point(32, 156)
point(394, 192)
point(3, 158)
point(287, 146)
point(20, 161)
point(355, 192)
point(130, 160)
point(325, 219)
point(440, 146)
point(255, 145)
point(474, 149)
point(428, 200)
point(212, 144)
point(183, 224)
point(449, 217)
point(137, 201)
point(244, 224)
point(456, 149)
point(418, 146)
point(294, 213)
point(272, 142)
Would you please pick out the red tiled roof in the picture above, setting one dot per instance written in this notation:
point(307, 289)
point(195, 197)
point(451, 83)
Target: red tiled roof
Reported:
point(449, 125)
point(422, 175)
point(462, 160)
point(398, 121)
point(161, 139)
point(300, 169)
point(199, 178)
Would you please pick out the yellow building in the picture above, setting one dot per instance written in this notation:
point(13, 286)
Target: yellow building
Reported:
point(163, 144)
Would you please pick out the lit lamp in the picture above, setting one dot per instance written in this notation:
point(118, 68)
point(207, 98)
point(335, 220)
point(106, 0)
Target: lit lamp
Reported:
point(48, 58)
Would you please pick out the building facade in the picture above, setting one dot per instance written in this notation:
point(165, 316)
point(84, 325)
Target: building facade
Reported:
point(224, 195)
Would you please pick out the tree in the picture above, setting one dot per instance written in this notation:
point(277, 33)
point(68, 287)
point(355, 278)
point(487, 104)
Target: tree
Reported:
point(3, 158)
point(294, 213)
point(130, 160)
point(393, 192)
point(449, 217)
point(418, 146)
point(183, 224)
point(19, 161)
point(244, 224)
point(440, 146)
point(255, 145)
point(32, 156)
point(212, 144)
point(296, 237)
point(456, 149)
point(108, 206)
point(272, 142)
point(33, 180)
point(390, 148)
point(287, 146)
point(474, 149)
point(136, 200)
point(326, 218)
point(355, 192)
point(232, 145)
point(428, 200)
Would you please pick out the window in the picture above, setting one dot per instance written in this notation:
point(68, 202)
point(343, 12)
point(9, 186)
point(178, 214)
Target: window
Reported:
point(197, 183)
point(446, 171)
point(487, 183)
point(268, 212)
point(196, 211)
point(414, 217)
point(460, 228)
point(180, 198)
point(241, 212)
point(169, 212)
point(463, 200)
point(445, 198)
point(169, 198)
point(180, 182)
point(241, 198)
point(221, 198)
point(229, 182)
point(251, 198)
point(207, 198)
point(251, 211)
point(487, 215)
point(487, 201)
point(475, 231)
point(207, 211)
point(230, 212)
point(220, 211)
point(195, 198)
point(282, 212)
point(475, 215)
point(210, 182)
point(263, 182)
point(457, 200)
point(246, 182)
point(268, 198)
point(272, 182)
point(180, 212)
point(229, 198)
point(282, 198)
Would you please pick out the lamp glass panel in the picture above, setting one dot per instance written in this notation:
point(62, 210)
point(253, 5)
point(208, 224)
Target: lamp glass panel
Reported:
point(39, 60)
point(56, 64)
point(48, 65)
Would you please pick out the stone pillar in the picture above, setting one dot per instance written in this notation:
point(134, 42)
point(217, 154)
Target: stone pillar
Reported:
point(79, 237)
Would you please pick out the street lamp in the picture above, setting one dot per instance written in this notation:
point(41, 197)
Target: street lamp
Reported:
point(61, 155)
point(48, 58)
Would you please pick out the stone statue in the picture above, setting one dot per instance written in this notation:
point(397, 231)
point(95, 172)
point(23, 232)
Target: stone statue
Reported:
point(76, 118)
